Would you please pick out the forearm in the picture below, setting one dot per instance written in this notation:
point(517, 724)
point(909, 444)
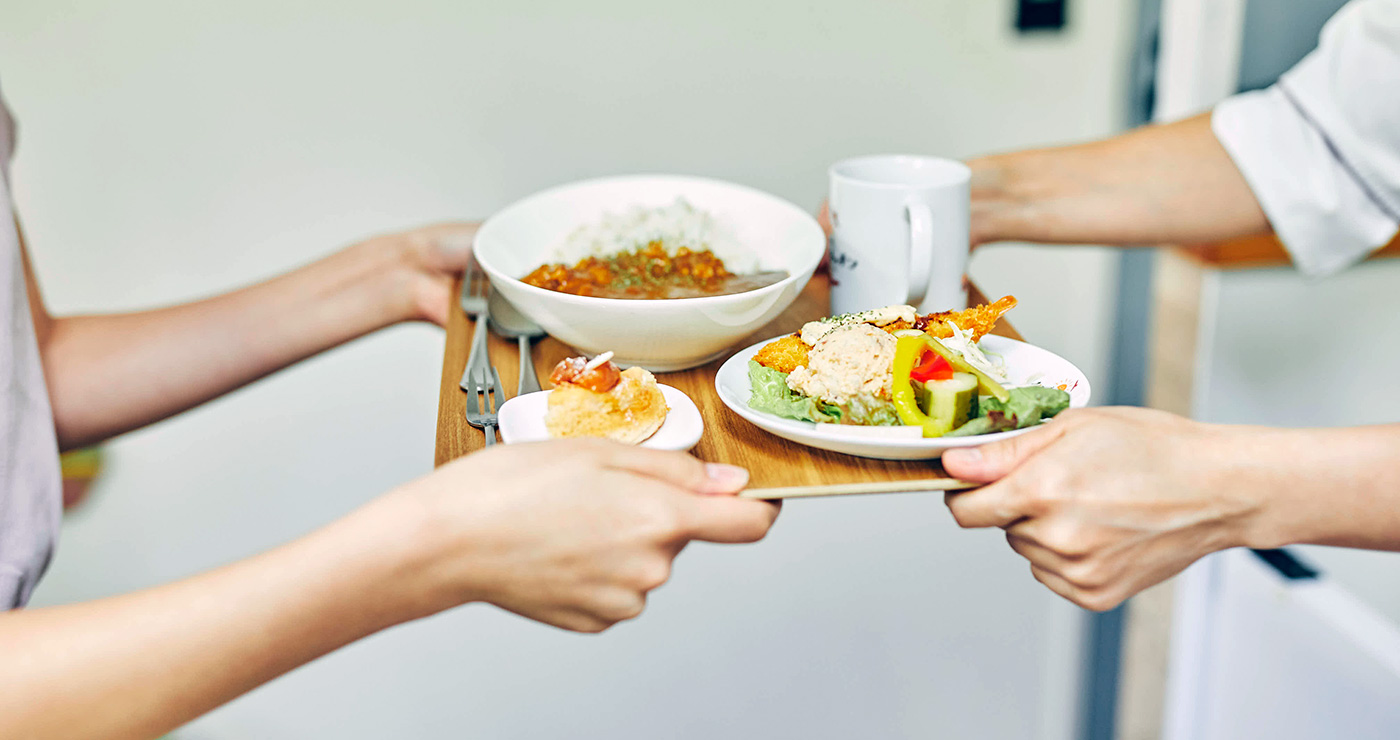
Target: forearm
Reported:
point(136, 666)
point(1319, 486)
point(1168, 184)
point(110, 374)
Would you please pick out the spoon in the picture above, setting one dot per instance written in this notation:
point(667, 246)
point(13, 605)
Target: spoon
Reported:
point(511, 324)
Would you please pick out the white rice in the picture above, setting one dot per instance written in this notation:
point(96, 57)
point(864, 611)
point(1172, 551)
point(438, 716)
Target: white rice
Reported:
point(677, 225)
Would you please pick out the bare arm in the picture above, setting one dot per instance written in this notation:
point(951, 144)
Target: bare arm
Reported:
point(1168, 184)
point(576, 544)
point(136, 666)
point(1164, 491)
point(109, 374)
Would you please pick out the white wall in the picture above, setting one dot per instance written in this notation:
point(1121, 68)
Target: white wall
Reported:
point(172, 149)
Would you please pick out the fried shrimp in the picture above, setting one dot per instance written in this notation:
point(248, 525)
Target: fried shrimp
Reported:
point(979, 319)
point(790, 352)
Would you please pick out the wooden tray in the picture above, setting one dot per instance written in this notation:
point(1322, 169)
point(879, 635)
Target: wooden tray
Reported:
point(772, 462)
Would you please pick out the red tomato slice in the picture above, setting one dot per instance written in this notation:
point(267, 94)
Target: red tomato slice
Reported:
point(932, 366)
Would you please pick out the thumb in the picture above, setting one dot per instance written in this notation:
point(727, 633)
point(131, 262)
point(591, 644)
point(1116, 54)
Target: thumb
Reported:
point(727, 519)
point(994, 461)
point(719, 517)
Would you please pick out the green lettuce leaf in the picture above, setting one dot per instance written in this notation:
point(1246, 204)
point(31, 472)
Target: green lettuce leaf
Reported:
point(1026, 407)
point(769, 392)
point(869, 411)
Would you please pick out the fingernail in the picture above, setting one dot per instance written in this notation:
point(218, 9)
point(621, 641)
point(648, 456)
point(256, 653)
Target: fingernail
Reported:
point(721, 478)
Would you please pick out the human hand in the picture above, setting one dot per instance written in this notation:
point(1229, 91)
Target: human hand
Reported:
point(571, 533)
point(417, 267)
point(1106, 502)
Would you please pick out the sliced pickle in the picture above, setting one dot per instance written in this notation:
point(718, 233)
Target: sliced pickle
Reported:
point(949, 403)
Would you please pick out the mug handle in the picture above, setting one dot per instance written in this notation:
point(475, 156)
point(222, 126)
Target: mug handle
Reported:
point(920, 251)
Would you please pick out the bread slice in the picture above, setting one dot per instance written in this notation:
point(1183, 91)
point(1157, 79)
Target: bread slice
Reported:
point(629, 413)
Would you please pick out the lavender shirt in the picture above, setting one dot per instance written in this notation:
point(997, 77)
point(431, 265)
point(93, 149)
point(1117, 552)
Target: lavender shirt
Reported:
point(30, 488)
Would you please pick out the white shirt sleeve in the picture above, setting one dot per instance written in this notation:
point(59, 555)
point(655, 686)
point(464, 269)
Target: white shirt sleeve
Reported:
point(1321, 147)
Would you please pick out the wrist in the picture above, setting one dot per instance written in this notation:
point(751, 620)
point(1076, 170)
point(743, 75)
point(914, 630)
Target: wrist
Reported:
point(404, 541)
point(388, 274)
point(996, 209)
point(1245, 469)
point(441, 562)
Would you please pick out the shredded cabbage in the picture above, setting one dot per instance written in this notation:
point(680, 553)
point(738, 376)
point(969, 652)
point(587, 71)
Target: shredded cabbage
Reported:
point(961, 342)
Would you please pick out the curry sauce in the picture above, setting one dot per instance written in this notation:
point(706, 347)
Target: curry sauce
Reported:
point(649, 272)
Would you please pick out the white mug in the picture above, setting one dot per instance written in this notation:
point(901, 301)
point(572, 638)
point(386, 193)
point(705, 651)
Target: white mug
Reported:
point(899, 233)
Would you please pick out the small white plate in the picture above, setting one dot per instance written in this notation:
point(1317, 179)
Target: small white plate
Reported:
point(1025, 364)
point(521, 419)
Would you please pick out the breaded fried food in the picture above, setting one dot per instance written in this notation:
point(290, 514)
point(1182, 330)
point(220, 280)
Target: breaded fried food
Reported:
point(790, 352)
point(784, 355)
point(979, 319)
point(629, 412)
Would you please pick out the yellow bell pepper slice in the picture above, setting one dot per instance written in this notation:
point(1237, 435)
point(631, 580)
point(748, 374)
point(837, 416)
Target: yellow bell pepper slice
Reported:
point(907, 351)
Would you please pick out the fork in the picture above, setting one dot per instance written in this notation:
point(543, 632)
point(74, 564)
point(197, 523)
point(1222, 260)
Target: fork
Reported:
point(484, 399)
point(475, 291)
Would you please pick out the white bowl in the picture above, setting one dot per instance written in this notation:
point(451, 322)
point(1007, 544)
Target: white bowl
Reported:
point(660, 335)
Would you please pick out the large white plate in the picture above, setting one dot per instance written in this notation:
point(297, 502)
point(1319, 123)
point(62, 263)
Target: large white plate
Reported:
point(1025, 364)
point(521, 419)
